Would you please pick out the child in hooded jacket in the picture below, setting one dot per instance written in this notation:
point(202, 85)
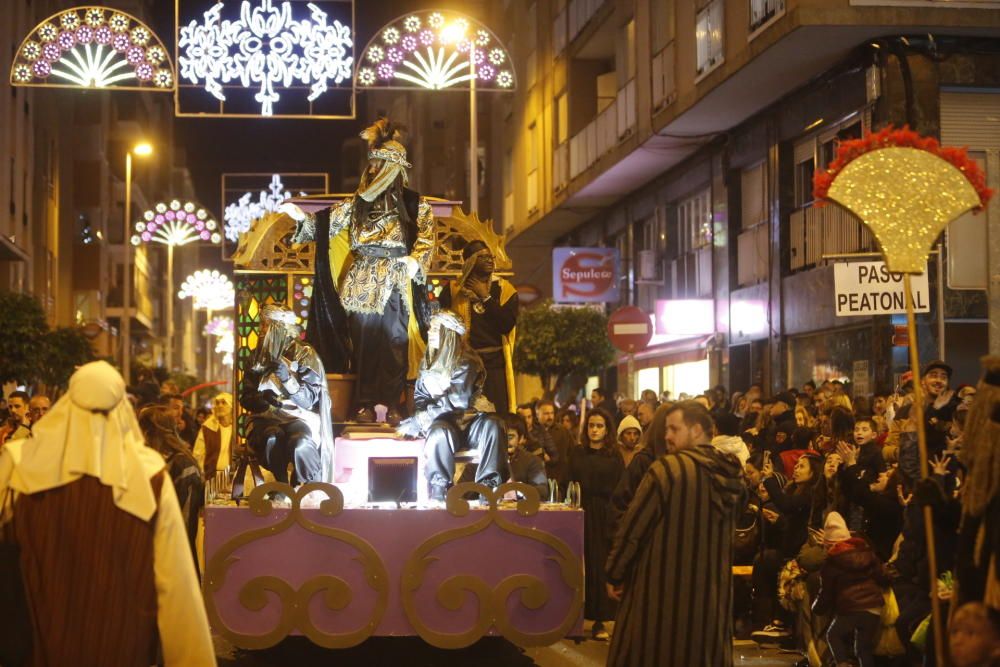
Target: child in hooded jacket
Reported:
point(851, 583)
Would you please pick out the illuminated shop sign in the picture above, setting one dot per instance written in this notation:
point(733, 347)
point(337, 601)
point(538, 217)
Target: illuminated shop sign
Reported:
point(585, 275)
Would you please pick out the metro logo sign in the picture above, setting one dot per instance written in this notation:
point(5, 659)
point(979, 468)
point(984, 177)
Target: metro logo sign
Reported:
point(585, 275)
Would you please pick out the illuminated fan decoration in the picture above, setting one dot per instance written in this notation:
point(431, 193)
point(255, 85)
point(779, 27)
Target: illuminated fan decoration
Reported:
point(240, 215)
point(210, 290)
point(432, 49)
point(93, 47)
point(266, 46)
point(177, 223)
point(906, 188)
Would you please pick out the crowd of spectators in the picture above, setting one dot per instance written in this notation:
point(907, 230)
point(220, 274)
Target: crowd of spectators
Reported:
point(832, 533)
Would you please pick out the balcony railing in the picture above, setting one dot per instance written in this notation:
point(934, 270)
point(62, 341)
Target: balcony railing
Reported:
point(752, 255)
point(531, 194)
point(559, 37)
point(826, 230)
point(560, 166)
point(603, 133)
point(664, 88)
point(762, 11)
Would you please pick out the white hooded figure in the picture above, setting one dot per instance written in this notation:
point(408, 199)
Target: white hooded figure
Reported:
point(104, 554)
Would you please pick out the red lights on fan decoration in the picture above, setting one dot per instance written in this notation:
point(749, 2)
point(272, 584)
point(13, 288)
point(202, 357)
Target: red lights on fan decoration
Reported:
point(890, 137)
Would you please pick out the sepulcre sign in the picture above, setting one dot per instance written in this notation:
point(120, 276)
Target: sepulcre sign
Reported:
point(868, 288)
point(585, 275)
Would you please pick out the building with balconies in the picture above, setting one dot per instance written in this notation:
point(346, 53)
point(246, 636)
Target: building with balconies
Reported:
point(62, 227)
point(686, 134)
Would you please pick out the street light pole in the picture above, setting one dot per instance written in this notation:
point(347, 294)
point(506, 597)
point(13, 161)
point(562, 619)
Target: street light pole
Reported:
point(208, 346)
point(126, 319)
point(170, 307)
point(473, 134)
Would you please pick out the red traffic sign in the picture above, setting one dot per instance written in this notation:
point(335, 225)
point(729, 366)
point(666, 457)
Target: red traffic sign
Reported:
point(629, 329)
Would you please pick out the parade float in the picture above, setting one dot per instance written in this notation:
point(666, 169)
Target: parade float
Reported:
point(334, 560)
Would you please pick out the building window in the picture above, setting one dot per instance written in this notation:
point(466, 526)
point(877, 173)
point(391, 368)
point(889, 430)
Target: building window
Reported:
point(764, 11)
point(753, 242)
point(708, 37)
point(805, 165)
point(625, 55)
point(661, 29)
point(562, 118)
point(694, 222)
point(690, 272)
point(534, 147)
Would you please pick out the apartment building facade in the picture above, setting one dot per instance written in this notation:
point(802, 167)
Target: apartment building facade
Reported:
point(62, 184)
point(685, 134)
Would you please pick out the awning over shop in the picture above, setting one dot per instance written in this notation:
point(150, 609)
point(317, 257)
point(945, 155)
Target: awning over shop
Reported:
point(678, 351)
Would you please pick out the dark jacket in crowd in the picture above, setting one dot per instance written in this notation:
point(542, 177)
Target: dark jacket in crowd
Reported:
point(795, 510)
point(528, 468)
point(883, 515)
point(629, 482)
point(851, 579)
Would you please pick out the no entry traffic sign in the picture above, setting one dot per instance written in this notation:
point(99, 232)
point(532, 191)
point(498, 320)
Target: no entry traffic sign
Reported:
point(629, 329)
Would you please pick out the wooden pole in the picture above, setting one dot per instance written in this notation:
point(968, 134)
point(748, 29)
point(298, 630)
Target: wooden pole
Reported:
point(918, 406)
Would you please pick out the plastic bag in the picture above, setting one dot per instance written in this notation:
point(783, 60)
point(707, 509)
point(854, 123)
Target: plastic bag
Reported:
point(888, 643)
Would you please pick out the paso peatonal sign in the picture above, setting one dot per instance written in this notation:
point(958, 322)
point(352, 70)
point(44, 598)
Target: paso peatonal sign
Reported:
point(584, 275)
point(869, 288)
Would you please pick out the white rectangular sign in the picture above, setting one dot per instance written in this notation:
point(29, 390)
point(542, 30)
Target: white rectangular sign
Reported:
point(868, 288)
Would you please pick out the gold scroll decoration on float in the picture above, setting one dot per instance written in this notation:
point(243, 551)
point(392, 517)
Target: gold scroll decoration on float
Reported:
point(337, 595)
point(492, 601)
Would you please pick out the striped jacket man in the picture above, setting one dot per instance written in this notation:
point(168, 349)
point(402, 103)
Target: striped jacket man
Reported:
point(673, 554)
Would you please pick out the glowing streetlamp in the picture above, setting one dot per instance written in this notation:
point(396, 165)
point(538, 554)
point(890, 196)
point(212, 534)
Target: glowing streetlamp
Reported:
point(142, 149)
point(437, 50)
point(175, 223)
point(210, 291)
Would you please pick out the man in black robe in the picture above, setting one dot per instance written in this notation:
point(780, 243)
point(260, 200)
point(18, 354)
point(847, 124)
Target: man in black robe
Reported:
point(380, 298)
point(488, 305)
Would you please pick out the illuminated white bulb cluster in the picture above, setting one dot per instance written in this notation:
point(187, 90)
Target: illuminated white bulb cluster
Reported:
point(210, 290)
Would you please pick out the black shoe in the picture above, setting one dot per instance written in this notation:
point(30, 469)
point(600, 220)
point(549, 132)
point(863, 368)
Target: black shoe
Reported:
point(365, 415)
point(438, 493)
point(393, 417)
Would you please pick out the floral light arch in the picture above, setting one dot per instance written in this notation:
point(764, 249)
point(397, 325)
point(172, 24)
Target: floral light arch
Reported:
point(432, 49)
point(93, 47)
point(177, 223)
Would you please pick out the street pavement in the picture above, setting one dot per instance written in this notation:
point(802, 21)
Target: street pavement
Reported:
point(488, 652)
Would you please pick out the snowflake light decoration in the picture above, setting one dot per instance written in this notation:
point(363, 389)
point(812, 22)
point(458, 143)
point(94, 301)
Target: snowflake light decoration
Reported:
point(220, 325)
point(239, 216)
point(266, 48)
point(210, 290)
point(435, 50)
point(93, 47)
point(176, 223)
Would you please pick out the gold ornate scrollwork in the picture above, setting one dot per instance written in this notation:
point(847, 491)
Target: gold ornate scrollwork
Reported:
point(337, 594)
point(451, 593)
